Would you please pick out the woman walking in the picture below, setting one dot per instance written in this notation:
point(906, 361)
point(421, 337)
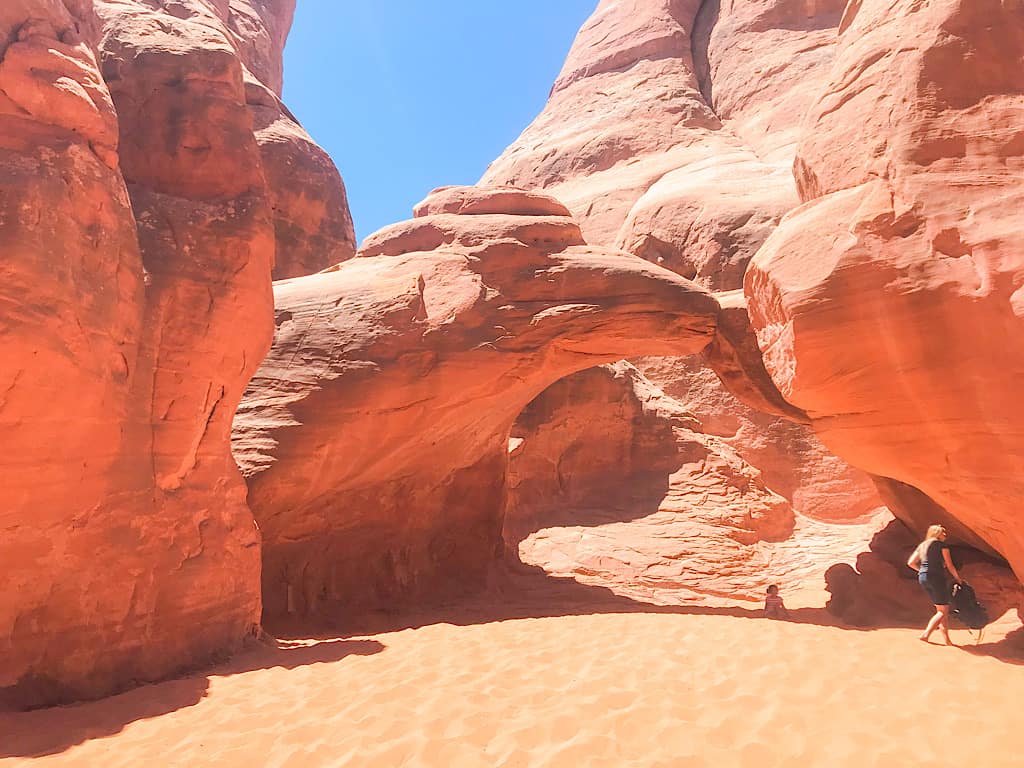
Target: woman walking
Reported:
point(932, 562)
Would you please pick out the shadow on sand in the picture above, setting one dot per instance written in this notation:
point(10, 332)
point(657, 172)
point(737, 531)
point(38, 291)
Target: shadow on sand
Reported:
point(520, 591)
point(1009, 649)
point(514, 591)
point(33, 734)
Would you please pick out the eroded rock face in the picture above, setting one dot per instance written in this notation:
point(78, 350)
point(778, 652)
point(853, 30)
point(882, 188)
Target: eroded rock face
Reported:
point(613, 483)
point(671, 133)
point(312, 224)
point(241, 40)
point(889, 303)
point(71, 323)
point(138, 238)
point(375, 436)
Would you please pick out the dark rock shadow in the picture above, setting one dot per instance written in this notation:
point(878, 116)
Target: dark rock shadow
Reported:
point(50, 731)
point(700, 42)
point(882, 591)
point(519, 591)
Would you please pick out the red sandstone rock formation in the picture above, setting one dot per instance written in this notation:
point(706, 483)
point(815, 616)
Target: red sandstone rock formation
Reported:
point(889, 305)
point(374, 437)
point(138, 237)
point(149, 176)
point(312, 223)
point(671, 133)
point(613, 483)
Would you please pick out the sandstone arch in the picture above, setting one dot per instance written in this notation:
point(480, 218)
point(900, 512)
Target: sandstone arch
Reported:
point(374, 436)
point(671, 133)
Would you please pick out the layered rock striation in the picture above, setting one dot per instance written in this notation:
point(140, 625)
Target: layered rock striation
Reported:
point(138, 231)
point(613, 483)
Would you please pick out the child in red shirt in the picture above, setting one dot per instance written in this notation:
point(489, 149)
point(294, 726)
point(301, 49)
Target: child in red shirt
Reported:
point(773, 605)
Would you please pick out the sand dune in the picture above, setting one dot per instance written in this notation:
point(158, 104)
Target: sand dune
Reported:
point(562, 675)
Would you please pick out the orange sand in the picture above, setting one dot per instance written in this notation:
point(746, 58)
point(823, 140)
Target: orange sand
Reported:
point(581, 681)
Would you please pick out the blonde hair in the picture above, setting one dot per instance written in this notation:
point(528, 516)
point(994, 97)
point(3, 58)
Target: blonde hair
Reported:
point(934, 531)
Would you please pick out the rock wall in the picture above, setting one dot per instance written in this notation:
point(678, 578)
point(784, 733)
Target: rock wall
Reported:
point(877, 179)
point(138, 235)
point(613, 484)
point(671, 129)
point(312, 223)
point(889, 303)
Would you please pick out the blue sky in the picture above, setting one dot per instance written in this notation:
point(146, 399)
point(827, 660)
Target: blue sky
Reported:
point(409, 95)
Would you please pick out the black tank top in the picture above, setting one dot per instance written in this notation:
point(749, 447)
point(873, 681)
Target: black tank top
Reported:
point(932, 564)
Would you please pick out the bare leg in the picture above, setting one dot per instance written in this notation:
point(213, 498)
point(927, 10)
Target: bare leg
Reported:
point(940, 612)
point(944, 624)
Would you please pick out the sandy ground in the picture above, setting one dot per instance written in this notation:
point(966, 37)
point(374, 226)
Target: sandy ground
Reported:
point(556, 674)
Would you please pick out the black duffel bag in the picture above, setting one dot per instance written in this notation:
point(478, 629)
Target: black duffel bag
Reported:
point(965, 606)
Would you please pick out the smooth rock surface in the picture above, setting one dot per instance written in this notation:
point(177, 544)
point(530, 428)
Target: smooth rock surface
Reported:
point(888, 304)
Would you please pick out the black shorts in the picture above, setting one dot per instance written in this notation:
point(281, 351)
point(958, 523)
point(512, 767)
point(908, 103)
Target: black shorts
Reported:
point(938, 589)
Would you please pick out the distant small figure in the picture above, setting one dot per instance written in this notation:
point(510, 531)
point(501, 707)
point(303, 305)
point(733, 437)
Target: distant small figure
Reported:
point(934, 566)
point(774, 608)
